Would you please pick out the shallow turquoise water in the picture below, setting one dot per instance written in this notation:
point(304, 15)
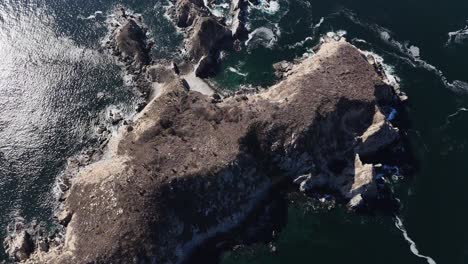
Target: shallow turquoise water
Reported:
point(52, 71)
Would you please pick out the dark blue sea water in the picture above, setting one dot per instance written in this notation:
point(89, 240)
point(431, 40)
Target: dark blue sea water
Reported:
point(56, 83)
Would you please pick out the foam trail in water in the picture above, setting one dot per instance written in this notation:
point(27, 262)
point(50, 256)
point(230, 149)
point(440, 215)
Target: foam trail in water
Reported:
point(236, 71)
point(97, 13)
point(300, 43)
point(447, 120)
point(322, 19)
point(399, 224)
point(390, 77)
point(458, 112)
point(413, 247)
point(410, 52)
point(458, 36)
point(217, 10)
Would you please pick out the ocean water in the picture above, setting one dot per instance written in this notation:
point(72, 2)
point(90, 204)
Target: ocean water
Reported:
point(56, 84)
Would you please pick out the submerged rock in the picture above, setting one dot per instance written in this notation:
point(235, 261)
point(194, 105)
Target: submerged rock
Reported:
point(192, 167)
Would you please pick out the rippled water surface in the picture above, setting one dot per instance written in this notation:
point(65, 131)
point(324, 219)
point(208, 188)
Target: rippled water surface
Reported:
point(56, 83)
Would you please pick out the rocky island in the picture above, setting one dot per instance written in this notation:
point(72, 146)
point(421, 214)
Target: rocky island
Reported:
point(194, 164)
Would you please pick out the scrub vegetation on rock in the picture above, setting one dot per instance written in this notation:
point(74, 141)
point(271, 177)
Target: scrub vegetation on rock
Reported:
point(192, 166)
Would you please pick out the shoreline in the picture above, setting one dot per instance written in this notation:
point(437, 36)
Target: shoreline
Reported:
point(273, 95)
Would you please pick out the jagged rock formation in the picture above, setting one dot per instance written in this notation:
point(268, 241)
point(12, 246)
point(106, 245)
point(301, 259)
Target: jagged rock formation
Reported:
point(238, 13)
point(186, 11)
point(129, 43)
point(206, 35)
point(20, 246)
point(191, 167)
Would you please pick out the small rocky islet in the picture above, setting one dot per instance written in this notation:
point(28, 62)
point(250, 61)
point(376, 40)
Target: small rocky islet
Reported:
point(195, 161)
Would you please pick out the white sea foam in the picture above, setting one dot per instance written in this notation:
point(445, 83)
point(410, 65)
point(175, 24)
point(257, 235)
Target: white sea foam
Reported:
point(277, 30)
point(236, 71)
point(270, 8)
point(456, 86)
point(459, 111)
point(316, 26)
point(463, 109)
point(220, 10)
point(394, 170)
point(410, 52)
point(458, 36)
point(90, 17)
point(358, 40)
point(300, 43)
point(262, 36)
point(414, 51)
point(413, 247)
point(336, 35)
point(390, 76)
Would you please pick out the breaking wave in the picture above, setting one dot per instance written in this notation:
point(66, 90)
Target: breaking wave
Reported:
point(457, 37)
point(269, 7)
point(411, 53)
point(262, 36)
point(93, 16)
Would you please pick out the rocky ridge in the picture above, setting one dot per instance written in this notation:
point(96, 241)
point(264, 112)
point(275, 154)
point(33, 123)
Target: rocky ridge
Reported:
point(192, 166)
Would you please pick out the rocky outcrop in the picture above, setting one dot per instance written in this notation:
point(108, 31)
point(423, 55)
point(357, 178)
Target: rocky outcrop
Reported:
point(131, 42)
point(206, 35)
point(185, 12)
point(282, 68)
point(207, 66)
point(209, 38)
point(20, 246)
point(192, 167)
point(24, 240)
point(128, 40)
point(238, 14)
point(378, 136)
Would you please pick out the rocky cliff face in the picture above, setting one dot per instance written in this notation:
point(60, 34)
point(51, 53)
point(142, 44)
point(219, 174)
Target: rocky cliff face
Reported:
point(191, 167)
